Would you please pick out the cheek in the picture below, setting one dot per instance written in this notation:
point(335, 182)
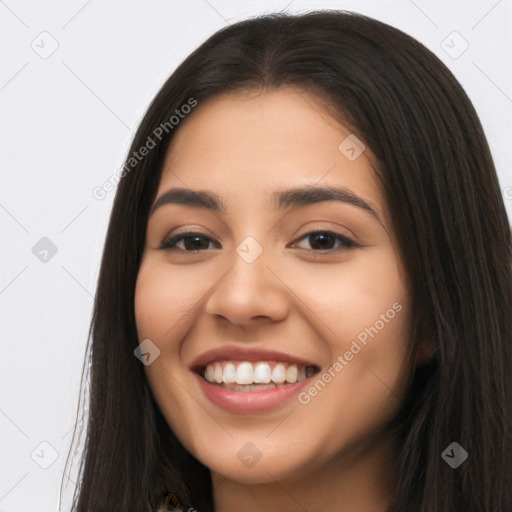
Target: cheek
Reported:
point(364, 311)
point(164, 302)
point(163, 298)
point(359, 298)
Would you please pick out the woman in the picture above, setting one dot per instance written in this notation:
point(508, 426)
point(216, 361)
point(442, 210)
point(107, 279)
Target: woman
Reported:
point(304, 299)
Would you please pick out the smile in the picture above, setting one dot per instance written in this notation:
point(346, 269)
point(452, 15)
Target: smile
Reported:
point(249, 381)
point(244, 376)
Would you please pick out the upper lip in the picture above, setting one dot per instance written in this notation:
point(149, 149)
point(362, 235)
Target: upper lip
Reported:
point(236, 353)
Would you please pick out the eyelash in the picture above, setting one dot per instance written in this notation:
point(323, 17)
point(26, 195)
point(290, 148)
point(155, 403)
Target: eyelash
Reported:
point(346, 243)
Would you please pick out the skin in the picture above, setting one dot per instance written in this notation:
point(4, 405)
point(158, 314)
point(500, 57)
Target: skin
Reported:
point(328, 454)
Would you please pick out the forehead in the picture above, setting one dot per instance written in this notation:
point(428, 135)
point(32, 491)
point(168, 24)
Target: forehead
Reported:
point(246, 145)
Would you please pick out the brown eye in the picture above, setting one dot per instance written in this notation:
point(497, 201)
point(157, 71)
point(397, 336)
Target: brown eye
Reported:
point(326, 241)
point(191, 242)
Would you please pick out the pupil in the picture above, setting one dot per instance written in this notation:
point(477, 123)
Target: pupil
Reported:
point(324, 237)
point(196, 244)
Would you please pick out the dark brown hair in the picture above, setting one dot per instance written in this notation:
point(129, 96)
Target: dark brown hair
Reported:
point(448, 216)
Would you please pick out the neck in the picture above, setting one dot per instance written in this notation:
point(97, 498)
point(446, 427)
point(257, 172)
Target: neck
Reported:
point(362, 482)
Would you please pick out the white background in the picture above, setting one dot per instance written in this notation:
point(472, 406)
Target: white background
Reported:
point(67, 121)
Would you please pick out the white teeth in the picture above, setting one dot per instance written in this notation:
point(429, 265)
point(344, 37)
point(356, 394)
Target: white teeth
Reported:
point(244, 374)
point(240, 375)
point(291, 374)
point(262, 373)
point(217, 372)
point(279, 374)
point(229, 374)
point(209, 374)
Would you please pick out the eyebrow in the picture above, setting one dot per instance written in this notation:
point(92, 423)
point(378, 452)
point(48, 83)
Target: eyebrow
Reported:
point(280, 200)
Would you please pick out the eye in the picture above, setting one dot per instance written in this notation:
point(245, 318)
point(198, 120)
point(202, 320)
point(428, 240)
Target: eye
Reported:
point(318, 241)
point(191, 242)
point(326, 241)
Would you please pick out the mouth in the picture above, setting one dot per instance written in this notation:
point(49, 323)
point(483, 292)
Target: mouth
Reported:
point(250, 376)
point(242, 381)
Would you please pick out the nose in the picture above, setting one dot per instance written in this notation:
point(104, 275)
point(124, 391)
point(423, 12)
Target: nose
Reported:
point(248, 293)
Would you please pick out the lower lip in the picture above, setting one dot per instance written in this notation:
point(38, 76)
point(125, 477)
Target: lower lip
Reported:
point(249, 402)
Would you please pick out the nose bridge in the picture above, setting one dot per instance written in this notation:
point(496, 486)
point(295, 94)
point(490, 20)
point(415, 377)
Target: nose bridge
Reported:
point(249, 289)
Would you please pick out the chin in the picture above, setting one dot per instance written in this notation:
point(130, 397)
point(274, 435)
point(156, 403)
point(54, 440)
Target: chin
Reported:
point(249, 465)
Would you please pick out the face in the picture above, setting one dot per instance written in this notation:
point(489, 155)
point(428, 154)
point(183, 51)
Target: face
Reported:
point(280, 315)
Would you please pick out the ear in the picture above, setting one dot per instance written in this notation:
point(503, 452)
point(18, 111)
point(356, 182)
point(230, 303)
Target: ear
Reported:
point(425, 352)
